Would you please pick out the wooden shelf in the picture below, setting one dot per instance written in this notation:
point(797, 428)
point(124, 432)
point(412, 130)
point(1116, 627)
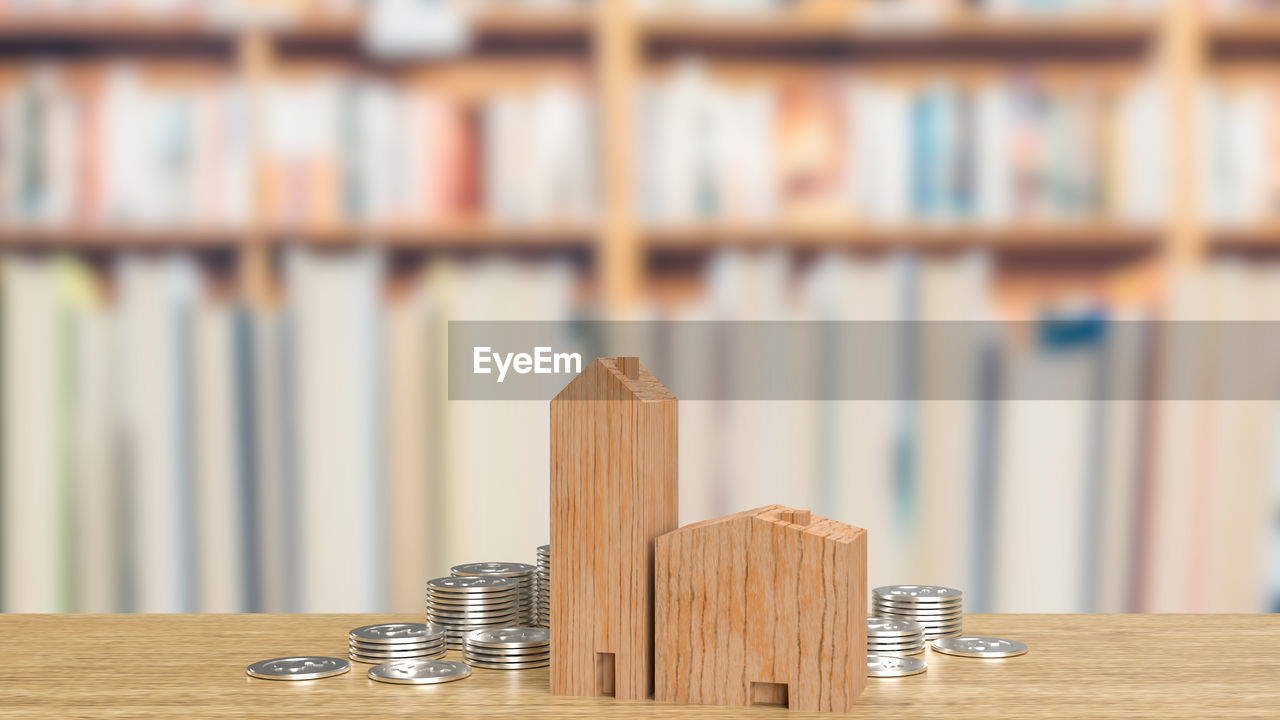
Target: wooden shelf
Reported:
point(514, 22)
point(112, 238)
point(44, 32)
point(459, 235)
point(1255, 30)
point(689, 31)
point(567, 25)
point(1084, 238)
point(1265, 237)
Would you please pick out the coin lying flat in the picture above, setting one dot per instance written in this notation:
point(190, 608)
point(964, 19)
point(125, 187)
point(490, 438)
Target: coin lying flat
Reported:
point(397, 654)
point(894, 666)
point(890, 627)
point(510, 637)
point(419, 672)
point(396, 633)
point(979, 647)
point(306, 667)
point(917, 593)
point(508, 665)
point(469, 585)
point(915, 650)
point(494, 569)
point(370, 660)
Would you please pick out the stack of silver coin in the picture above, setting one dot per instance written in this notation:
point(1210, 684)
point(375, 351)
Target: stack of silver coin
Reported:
point(938, 609)
point(544, 585)
point(523, 573)
point(886, 636)
point(383, 643)
point(463, 604)
point(509, 648)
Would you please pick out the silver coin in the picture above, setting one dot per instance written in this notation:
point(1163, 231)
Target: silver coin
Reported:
point(399, 651)
point(419, 672)
point(372, 660)
point(437, 612)
point(508, 666)
point(896, 651)
point(493, 569)
point(979, 647)
point(500, 657)
point(506, 652)
point(917, 617)
point(545, 549)
point(510, 637)
point(465, 625)
point(918, 640)
point(496, 604)
point(305, 667)
point(931, 613)
point(890, 627)
point(469, 585)
point(395, 633)
point(917, 593)
point(909, 651)
point(894, 666)
point(921, 609)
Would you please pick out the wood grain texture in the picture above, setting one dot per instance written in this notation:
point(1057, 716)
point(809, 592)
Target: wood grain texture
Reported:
point(613, 490)
point(764, 606)
point(192, 666)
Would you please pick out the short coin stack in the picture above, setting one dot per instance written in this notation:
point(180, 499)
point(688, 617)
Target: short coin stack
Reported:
point(523, 574)
point(377, 644)
point(886, 636)
point(937, 608)
point(509, 648)
point(544, 585)
point(463, 604)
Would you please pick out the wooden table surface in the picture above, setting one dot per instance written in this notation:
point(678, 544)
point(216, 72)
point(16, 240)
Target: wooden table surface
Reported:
point(192, 666)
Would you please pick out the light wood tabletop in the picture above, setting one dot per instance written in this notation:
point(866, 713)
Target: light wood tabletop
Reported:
point(192, 666)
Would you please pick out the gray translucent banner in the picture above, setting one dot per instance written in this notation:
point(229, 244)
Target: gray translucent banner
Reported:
point(1071, 359)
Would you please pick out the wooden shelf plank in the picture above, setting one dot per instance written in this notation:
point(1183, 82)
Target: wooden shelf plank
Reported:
point(1250, 30)
point(474, 234)
point(781, 32)
point(1083, 237)
point(119, 238)
point(54, 28)
point(1263, 236)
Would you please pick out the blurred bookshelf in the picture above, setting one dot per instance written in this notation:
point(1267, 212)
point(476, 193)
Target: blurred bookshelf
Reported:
point(616, 45)
point(807, 158)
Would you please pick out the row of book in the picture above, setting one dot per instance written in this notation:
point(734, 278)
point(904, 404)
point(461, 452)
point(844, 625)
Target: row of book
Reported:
point(167, 449)
point(1240, 141)
point(111, 146)
point(1013, 149)
point(346, 149)
point(1240, 8)
point(115, 146)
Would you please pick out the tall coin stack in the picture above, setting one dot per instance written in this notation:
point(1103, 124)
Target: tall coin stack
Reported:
point(937, 608)
point(886, 636)
point(523, 573)
point(510, 648)
point(544, 585)
point(377, 644)
point(463, 604)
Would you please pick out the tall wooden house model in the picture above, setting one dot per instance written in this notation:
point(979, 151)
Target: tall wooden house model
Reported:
point(613, 492)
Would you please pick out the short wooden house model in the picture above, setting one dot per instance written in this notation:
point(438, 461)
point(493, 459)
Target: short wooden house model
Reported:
point(766, 606)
